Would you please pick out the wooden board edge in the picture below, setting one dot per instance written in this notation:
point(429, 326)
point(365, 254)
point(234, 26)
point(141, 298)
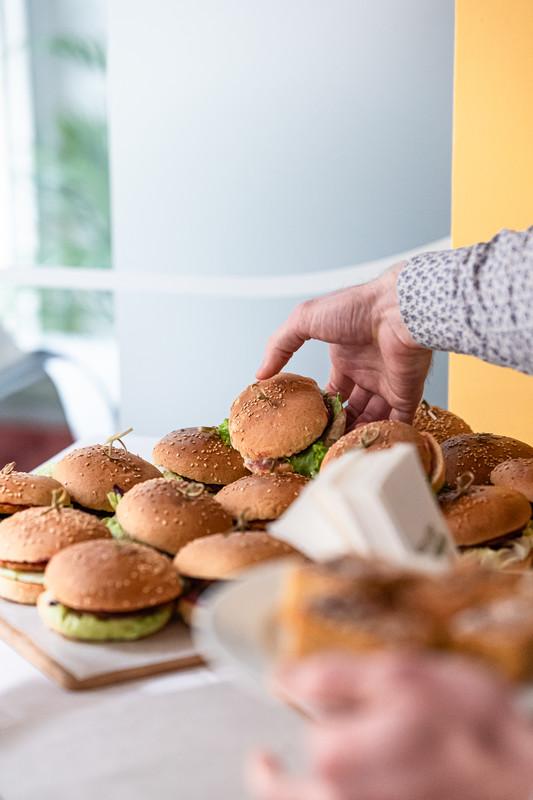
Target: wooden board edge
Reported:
point(66, 680)
point(135, 673)
point(39, 659)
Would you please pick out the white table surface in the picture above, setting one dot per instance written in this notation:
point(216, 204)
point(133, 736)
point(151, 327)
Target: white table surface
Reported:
point(182, 735)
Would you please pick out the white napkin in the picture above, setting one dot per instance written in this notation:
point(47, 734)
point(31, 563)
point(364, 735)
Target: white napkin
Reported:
point(377, 503)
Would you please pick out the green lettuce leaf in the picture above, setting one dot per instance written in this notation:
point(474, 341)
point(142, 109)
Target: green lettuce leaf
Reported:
point(114, 499)
point(45, 469)
point(115, 528)
point(308, 462)
point(172, 476)
point(223, 432)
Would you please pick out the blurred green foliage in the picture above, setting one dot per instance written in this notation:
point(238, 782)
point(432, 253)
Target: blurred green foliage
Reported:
point(74, 200)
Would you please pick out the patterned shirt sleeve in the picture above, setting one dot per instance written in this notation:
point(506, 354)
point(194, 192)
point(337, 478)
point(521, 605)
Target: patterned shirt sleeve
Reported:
point(476, 300)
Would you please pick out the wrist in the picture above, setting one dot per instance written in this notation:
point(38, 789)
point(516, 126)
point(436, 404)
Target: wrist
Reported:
point(386, 306)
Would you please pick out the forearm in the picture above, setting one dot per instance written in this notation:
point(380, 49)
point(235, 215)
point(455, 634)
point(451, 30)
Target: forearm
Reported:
point(476, 300)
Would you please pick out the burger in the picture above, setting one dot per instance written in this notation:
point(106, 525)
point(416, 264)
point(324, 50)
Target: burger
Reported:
point(203, 455)
point(387, 433)
point(167, 514)
point(223, 557)
point(515, 474)
point(90, 474)
point(439, 422)
point(285, 424)
point(108, 591)
point(21, 490)
point(490, 524)
point(480, 453)
point(29, 539)
point(255, 500)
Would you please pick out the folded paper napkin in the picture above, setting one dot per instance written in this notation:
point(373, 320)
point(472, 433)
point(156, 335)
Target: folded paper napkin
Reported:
point(378, 503)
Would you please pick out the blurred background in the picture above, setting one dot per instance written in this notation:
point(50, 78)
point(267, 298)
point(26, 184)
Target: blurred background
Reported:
point(231, 157)
point(58, 353)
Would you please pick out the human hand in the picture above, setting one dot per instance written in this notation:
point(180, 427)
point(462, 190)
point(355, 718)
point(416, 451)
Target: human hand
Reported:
point(402, 727)
point(375, 363)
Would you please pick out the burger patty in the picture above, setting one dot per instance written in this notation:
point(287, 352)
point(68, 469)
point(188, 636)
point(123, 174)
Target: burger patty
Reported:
point(24, 566)
point(266, 466)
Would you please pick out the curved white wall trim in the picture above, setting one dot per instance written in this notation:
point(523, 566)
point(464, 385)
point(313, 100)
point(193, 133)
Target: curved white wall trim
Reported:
point(294, 285)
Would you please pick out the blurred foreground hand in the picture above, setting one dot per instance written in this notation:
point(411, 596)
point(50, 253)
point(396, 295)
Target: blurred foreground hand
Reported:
point(401, 727)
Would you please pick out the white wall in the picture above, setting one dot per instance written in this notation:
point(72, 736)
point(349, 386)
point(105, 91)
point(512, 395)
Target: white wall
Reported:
point(264, 138)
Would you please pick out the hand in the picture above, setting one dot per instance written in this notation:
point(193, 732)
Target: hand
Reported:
point(402, 727)
point(375, 363)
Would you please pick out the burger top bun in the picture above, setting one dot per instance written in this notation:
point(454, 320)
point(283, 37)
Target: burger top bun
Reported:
point(479, 453)
point(36, 534)
point(484, 513)
point(277, 417)
point(386, 433)
point(110, 576)
point(225, 555)
point(90, 473)
point(20, 490)
point(439, 422)
point(261, 497)
point(168, 514)
point(199, 454)
point(515, 474)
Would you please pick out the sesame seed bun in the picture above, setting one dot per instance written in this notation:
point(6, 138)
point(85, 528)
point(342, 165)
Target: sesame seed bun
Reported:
point(439, 422)
point(515, 474)
point(164, 515)
point(20, 490)
point(484, 513)
point(109, 576)
point(226, 555)
point(479, 453)
point(199, 454)
point(386, 433)
point(33, 536)
point(89, 474)
point(277, 417)
point(261, 497)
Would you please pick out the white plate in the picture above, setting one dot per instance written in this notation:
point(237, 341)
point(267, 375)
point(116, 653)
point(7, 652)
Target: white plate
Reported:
point(234, 628)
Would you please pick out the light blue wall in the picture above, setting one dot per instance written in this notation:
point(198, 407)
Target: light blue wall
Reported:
point(265, 138)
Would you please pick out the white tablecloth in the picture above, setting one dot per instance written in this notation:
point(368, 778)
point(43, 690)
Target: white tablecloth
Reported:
point(181, 736)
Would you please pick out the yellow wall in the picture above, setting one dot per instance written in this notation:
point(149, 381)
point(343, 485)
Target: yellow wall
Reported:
point(492, 181)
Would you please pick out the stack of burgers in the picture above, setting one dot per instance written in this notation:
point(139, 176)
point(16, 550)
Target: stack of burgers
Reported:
point(110, 545)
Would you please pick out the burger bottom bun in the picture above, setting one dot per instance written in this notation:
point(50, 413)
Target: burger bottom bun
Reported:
point(84, 626)
point(19, 591)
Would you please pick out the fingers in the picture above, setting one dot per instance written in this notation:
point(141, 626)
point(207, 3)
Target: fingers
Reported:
point(356, 404)
point(377, 408)
point(267, 780)
point(339, 384)
point(280, 349)
point(400, 415)
point(282, 345)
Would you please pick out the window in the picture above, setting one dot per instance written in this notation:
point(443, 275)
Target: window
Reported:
point(54, 213)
